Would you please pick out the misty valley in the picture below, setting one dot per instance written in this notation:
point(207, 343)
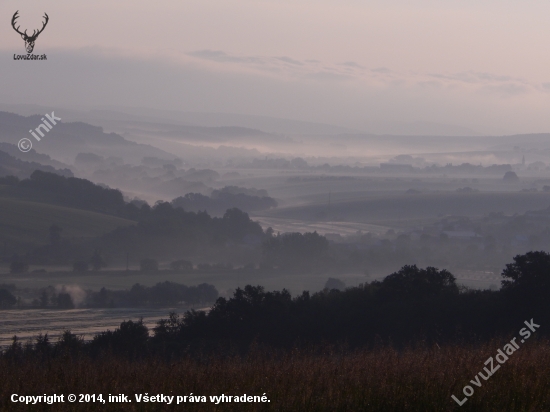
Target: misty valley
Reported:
point(143, 238)
point(267, 206)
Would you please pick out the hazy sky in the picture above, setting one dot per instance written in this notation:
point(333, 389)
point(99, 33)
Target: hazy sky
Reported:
point(365, 64)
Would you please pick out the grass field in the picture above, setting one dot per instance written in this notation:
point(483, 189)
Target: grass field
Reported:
point(404, 209)
point(27, 221)
point(421, 379)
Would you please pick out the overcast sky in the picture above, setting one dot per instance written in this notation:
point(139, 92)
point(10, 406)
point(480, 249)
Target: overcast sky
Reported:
point(482, 65)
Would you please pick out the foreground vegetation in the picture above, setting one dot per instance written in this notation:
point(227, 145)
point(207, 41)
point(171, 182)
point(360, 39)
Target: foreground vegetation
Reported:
point(328, 379)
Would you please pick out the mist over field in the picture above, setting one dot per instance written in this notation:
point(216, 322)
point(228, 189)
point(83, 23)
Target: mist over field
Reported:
point(262, 185)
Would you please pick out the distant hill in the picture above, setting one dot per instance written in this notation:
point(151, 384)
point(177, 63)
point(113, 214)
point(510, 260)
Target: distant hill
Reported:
point(25, 221)
point(11, 166)
point(66, 140)
point(32, 156)
point(30, 206)
point(206, 119)
point(70, 192)
point(267, 124)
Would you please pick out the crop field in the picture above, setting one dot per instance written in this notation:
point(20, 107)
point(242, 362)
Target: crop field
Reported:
point(326, 379)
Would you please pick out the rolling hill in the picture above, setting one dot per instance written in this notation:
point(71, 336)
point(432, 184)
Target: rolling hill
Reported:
point(27, 221)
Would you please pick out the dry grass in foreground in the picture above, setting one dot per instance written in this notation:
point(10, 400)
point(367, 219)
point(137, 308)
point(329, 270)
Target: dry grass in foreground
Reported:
point(384, 379)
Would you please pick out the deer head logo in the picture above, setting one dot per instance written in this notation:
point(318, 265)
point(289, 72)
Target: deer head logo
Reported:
point(29, 40)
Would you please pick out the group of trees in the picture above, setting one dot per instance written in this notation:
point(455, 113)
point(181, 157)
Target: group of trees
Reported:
point(52, 298)
point(75, 192)
point(413, 304)
point(12, 168)
point(96, 262)
point(7, 300)
point(160, 230)
point(168, 222)
point(83, 194)
point(161, 294)
point(223, 199)
point(410, 304)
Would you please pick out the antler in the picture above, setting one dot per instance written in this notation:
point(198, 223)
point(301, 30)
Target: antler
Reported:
point(43, 26)
point(34, 33)
point(14, 18)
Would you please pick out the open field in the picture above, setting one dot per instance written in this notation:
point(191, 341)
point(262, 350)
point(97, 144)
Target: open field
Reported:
point(29, 221)
point(328, 379)
point(343, 228)
point(402, 209)
point(83, 322)
point(294, 188)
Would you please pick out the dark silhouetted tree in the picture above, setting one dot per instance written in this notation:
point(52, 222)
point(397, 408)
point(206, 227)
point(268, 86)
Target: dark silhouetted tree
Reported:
point(510, 177)
point(44, 299)
point(7, 300)
point(64, 301)
point(130, 339)
point(529, 271)
point(333, 283)
point(412, 282)
point(97, 261)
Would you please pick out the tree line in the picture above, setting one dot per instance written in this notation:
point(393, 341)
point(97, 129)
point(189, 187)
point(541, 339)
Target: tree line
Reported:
point(410, 305)
point(162, 294)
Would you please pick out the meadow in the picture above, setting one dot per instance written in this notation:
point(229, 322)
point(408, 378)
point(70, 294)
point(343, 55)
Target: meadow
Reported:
point(403, 209)
point(419, 378)
point(28, 221)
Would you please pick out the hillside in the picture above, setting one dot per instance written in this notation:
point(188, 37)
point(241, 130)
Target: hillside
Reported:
point(32, 156)
point(10, 165)
point(25, 221)
point(65, 140)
